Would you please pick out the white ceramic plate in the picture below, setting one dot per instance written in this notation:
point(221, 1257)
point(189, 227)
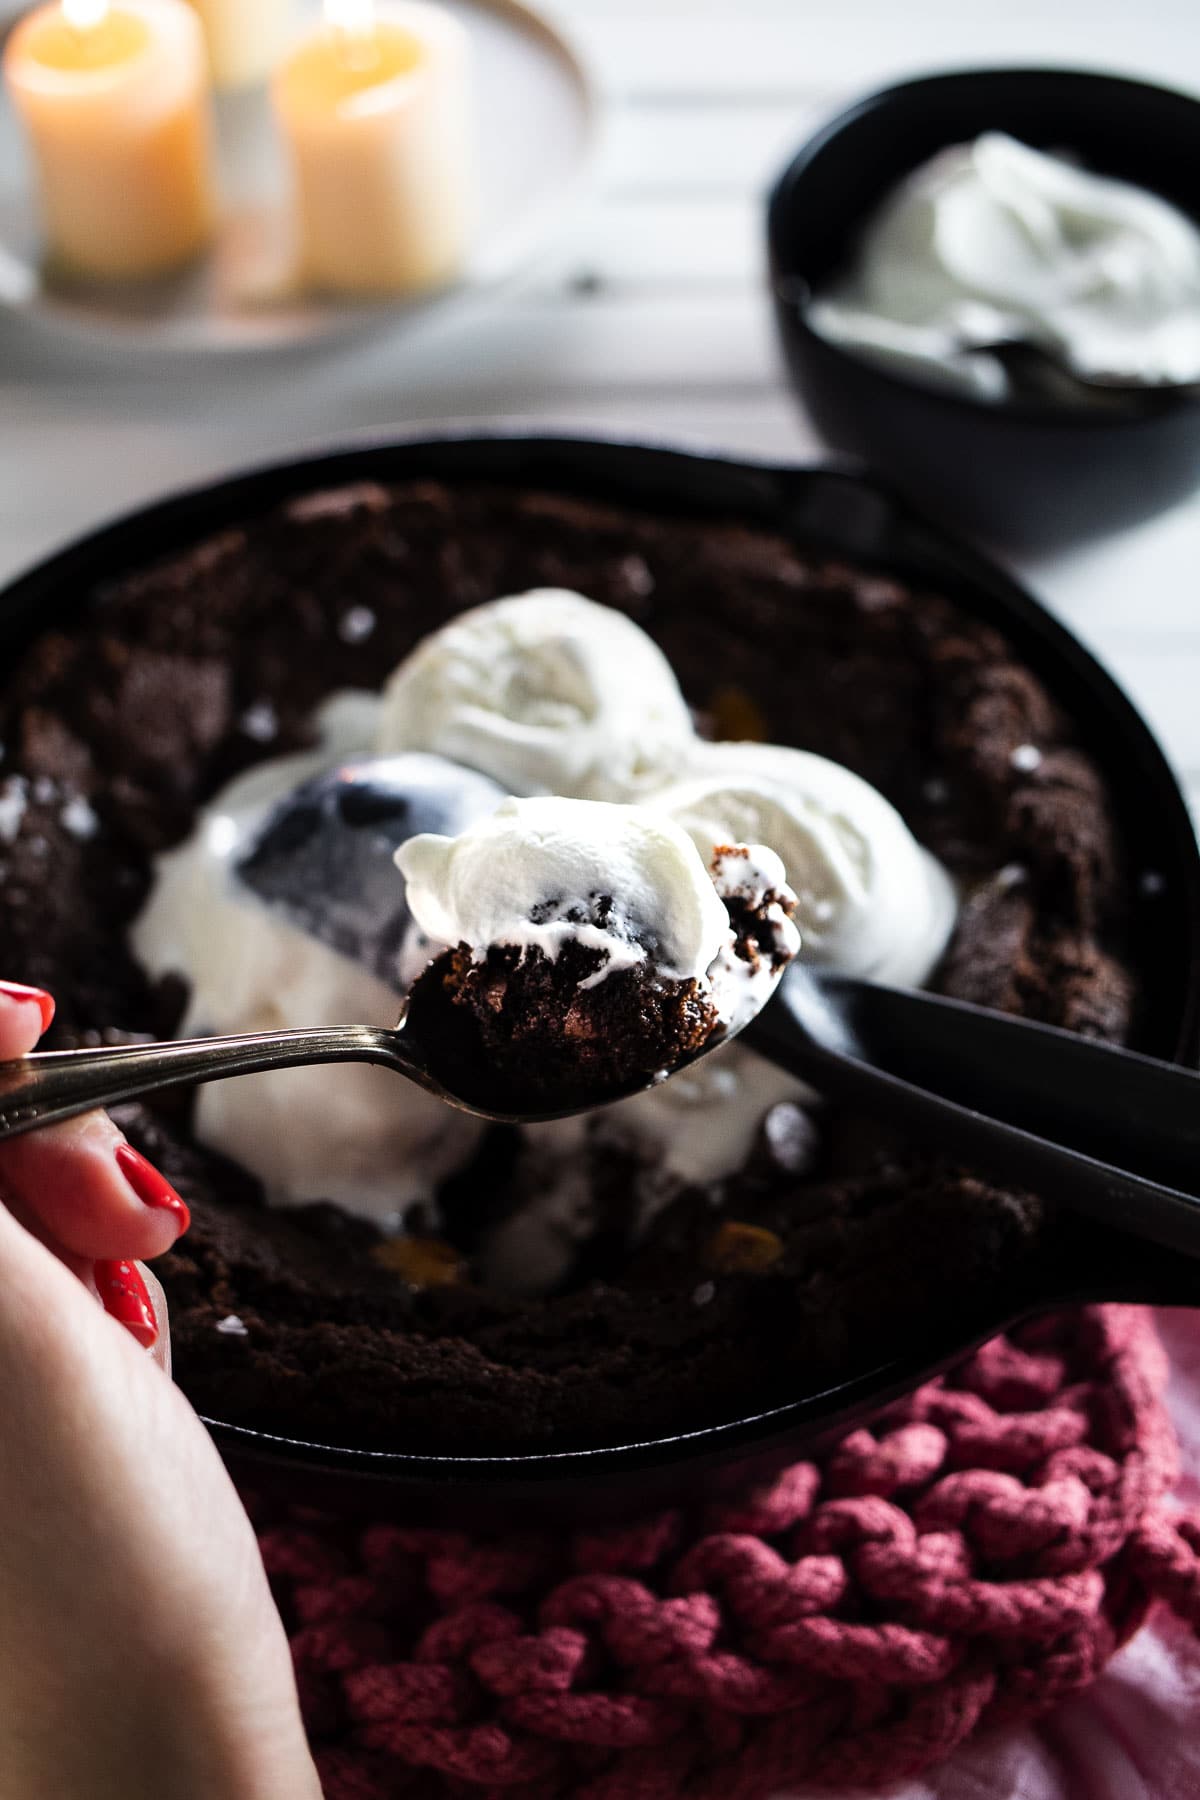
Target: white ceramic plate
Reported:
point(537, 118)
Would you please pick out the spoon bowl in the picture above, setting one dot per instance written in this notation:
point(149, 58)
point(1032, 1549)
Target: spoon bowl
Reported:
point(323, 857)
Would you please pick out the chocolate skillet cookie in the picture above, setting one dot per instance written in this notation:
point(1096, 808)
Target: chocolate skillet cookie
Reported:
point(118, 726)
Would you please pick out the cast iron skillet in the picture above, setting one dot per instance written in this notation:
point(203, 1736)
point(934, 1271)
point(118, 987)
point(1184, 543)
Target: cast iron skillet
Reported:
point(851, 515)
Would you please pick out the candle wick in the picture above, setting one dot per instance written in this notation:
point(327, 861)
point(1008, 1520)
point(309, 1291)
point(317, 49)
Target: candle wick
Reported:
point(354, 33)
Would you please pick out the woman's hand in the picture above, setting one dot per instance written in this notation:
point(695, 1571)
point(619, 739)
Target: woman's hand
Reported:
point(141, 1651)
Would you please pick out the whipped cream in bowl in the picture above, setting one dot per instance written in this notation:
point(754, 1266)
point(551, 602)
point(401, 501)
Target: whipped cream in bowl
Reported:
point(992, 244)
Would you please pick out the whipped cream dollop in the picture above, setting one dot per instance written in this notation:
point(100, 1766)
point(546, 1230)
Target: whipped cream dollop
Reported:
point(622, 881)
point(340, 1133)
point(993, 241)
point(547, 870)
point(869, 900)
point(547, 693)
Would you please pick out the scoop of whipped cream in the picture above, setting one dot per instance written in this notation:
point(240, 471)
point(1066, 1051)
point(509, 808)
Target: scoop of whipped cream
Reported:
point(337, 1133)
point(545, 870)
point(547, 693)
point(993, 241)
point(869, 900)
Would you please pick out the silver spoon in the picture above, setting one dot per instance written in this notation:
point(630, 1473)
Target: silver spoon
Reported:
point(58, 1084)
point(1034, 366)
point(322, 859)
point(1112, 1134)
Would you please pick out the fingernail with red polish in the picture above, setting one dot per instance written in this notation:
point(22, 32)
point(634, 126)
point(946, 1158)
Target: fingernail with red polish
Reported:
point(16, 990)
point(125, 1298)
point(151, 1188)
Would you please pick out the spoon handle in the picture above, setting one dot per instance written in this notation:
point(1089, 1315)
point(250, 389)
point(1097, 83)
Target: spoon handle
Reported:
point(57, 1084)
point(1102, 1130)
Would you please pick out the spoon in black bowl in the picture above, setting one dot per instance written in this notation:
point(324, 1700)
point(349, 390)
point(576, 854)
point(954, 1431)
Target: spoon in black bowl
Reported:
point(1036, 372)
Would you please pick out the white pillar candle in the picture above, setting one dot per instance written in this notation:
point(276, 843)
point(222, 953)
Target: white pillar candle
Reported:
point(114, 102)
point(245, 38)
point(375, 111)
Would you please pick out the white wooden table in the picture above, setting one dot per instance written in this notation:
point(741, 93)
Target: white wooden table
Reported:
point(651, 316)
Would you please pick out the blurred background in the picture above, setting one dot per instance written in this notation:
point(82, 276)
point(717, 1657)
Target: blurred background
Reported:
point(645, 311)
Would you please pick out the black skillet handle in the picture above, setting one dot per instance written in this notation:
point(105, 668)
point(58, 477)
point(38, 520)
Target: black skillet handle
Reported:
point(1104, 1101)
point(1112, 1135)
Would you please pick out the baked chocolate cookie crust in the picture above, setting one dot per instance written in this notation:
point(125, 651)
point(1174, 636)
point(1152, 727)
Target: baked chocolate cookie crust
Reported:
point(117, 728)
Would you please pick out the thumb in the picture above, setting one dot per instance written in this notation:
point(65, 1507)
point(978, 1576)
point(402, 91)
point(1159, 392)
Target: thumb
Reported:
point(161, 1353)
point(25, 1012)
point(39, 1284)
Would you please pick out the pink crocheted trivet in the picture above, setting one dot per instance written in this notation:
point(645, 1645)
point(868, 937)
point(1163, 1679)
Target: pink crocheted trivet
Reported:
point(973, 1559)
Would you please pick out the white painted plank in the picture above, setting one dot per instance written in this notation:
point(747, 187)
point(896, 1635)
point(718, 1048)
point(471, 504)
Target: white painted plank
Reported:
point(683, 11)
point(719, 147)
point(1164, 684)
point(672, 246)
point(853, 44)
point(1145, 581)
point(526, 352)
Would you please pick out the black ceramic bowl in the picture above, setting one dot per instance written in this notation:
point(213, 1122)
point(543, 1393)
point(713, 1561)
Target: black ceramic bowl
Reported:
point(1029, 472)
point(848, 516)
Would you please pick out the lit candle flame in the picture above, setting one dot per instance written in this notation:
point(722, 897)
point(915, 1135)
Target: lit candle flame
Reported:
point(84, 15)
point(354, 17)
point(353, 25)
